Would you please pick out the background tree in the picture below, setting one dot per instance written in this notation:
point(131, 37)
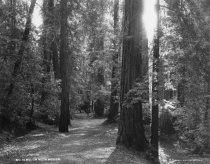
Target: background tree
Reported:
point(114, 103)
point(98, 43)
point(49, 100)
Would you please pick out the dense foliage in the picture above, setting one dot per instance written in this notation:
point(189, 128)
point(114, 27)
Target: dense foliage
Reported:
point(185, 51)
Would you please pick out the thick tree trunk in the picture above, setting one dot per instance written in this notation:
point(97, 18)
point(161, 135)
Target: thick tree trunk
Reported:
point(64, 62)
point(113, 111)
point(131, 129)
point(25, 39)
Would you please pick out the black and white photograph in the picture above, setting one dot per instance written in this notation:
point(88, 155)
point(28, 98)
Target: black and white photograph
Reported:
point(104, 81)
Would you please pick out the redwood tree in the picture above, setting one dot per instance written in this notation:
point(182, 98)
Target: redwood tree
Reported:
point(131, 131)
point(64, 64)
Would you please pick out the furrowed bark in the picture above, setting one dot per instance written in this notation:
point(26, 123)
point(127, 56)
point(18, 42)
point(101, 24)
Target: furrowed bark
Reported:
point(64, 63)
point(131, 129)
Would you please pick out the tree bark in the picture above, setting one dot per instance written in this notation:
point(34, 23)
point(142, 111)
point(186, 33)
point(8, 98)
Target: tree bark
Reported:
point(155, 92)
point(18, 62)
point(131, 129)
point(64, 62)
point(113, 111)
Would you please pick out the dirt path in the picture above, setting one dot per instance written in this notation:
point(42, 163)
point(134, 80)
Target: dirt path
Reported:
point(88, 141)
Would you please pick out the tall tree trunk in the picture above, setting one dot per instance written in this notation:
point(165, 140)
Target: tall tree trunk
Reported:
point(113, 111)
point(155, 105)
point(64, 62)
point(131, 130)
point(18, 62)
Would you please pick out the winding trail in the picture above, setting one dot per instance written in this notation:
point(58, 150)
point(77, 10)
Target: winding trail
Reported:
point(87, 142)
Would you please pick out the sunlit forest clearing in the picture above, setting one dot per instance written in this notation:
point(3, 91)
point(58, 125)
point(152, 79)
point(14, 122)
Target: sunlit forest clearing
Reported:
point(95, 81)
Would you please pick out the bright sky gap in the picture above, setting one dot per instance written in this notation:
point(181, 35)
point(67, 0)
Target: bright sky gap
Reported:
point(149, 17)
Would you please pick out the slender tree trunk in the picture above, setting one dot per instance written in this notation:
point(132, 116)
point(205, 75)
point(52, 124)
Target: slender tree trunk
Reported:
point(155, 105)
point(113, 111)
point(64, 61)
point(131, 129)
point(25, 40)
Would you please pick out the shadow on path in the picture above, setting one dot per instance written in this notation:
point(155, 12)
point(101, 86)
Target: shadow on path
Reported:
point(87, 142)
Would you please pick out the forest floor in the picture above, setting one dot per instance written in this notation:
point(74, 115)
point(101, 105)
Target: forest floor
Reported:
point(170, 153)
point(87, 142)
